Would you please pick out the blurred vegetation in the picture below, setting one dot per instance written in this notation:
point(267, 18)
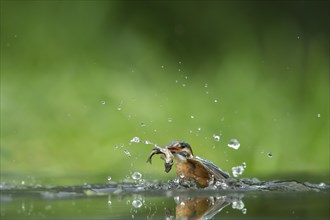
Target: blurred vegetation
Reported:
point(79, 78)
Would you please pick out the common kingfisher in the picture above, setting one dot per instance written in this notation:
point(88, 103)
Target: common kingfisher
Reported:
point(188, 166)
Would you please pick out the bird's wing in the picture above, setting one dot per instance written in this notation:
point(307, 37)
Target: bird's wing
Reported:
point(219, 204)
point(218, 173)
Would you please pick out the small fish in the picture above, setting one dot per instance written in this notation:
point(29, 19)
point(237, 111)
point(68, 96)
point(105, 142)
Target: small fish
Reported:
point(167, 156)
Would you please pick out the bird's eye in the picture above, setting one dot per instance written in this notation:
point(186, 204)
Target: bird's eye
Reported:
point(182, 145)
point(185, 154)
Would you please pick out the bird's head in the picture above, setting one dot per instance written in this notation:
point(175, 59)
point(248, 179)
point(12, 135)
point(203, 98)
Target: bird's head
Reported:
point(180, 148)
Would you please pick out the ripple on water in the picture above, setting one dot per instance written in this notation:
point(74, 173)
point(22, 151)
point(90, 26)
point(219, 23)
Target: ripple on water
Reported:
point(245, 184)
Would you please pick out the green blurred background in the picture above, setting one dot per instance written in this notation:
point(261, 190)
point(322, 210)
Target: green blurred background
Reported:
point(80, 79)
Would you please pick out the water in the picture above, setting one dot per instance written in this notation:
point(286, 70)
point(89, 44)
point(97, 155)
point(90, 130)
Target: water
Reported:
point(233, 143)
point(238, 170)
point(216, 137)
point(136, 175)
point(168, 200)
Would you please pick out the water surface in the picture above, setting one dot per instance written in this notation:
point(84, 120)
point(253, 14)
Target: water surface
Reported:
point(169, 200)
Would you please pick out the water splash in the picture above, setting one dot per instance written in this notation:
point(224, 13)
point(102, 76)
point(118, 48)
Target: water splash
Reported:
point(135, 140)
point(216, 137)
point(233, 143)
point(148, 142)
point(136, 175)
point(238, 170)
point(128, 154)
point(137, 203)
point(119, 107)
point(239, 204)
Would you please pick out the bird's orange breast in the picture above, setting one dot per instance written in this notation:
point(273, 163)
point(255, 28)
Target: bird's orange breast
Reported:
point(192, 169)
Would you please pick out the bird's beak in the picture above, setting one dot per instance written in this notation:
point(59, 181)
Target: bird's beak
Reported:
point(174, 149)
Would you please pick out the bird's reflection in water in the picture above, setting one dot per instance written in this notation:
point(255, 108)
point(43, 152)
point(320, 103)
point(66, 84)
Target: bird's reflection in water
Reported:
point(202, 207)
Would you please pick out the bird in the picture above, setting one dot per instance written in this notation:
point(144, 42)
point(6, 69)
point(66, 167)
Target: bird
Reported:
point(201, 207)
point(188, 166)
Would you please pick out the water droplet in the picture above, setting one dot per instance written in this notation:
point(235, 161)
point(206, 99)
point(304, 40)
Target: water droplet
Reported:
point(270, 154)
point(23, 206)
point(237, 171)
point(233, 143)
point(162, 67)
point(136, 175)
point(127, 153)
point(23, 182)
point(319, 115)
point(186, 77)
point(205, 85)
point(244, 211)
point(322, 185)
point(169, 120)
point(48, 207)
point(183, 85)
point(179, 70)
point(135, 140)
point(179, 62)
point(298, 37)
point(103, 102)
point(109, 178)
point(199, 129)
point(215, 100)
point(109, 202)
point(221, 185)
point(137, 204)
point(216, 137)
point(244, 165)
point(147, 142)
point(142, 124)
point(237, 205)
point(192, 117)
point(176, 81)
